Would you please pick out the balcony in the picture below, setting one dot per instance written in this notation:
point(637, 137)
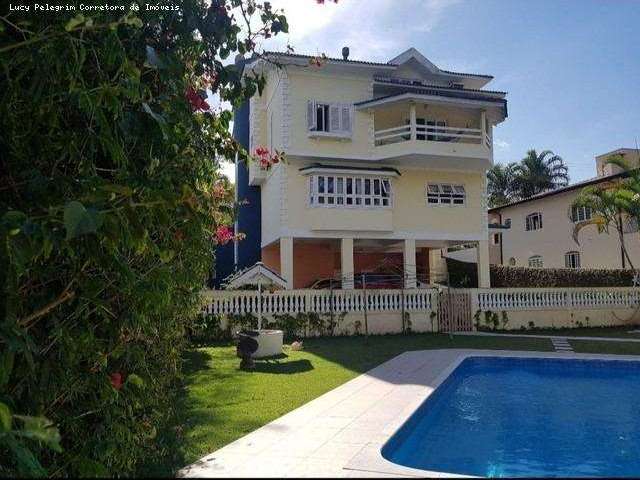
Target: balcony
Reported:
point(430, 131)
point(432, 140)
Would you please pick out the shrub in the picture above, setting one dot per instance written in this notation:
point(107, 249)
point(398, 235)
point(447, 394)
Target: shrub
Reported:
point(109, 206)
point(464, 275)
point(519, 277)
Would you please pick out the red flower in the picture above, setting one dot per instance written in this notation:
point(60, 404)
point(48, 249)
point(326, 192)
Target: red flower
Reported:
point(223, 235)
point(196, 101)
point(116, 380)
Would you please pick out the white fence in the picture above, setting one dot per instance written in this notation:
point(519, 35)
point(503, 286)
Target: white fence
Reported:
point(319, 301)
point(514, 299)
point(455, 308)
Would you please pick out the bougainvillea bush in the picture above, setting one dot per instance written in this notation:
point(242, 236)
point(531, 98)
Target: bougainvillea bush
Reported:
point(110, 200)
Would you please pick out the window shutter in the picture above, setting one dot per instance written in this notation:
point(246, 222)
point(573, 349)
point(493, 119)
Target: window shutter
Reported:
point(345, 120)
point(311, 115)
point(334, 117)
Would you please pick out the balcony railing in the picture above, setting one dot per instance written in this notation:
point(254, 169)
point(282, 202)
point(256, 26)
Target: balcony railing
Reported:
point(431, 133)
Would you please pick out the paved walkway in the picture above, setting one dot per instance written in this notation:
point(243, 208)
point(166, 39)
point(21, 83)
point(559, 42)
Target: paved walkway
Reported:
point(550, 337)
point(341, 433)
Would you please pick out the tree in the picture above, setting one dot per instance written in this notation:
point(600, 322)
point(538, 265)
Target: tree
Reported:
point(537, 173)
point(612, 205)
point(500, 185)
point(108, 214)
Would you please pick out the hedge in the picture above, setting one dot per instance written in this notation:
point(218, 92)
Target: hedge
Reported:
point(464, 275)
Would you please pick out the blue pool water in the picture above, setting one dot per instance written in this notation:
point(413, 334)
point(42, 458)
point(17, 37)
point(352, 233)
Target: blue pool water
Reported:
point(517, 417)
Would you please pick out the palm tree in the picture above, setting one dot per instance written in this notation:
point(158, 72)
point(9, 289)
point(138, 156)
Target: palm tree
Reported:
point(613, 205)
point(500, 183)
point(537, 173)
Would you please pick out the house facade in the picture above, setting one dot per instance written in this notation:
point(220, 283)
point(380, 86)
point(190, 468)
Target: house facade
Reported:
point(538, 231)
point(385, 166)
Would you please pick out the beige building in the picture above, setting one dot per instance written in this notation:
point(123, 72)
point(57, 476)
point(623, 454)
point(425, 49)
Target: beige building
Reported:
point(538, 231)
point(386, 165)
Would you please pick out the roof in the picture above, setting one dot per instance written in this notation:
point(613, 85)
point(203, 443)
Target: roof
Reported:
point(413, 54)
point(418, 85)
point(558, 191)
point(331, 59)
point(346, 167)
point(449, 93)
point(388, 64)
point(257, 272)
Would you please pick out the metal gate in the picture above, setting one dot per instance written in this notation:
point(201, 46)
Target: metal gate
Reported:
point(454, 311)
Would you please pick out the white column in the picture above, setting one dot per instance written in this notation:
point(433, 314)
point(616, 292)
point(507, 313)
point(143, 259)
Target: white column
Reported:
point(410, 263)
point(484, 279)
point(437, 266)
point(346, 262)
point(412, 120)
point(286, 260)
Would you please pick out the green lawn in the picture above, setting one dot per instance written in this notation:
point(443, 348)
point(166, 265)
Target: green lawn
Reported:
point(616, 332)
point(594, 346)
point(222, 403)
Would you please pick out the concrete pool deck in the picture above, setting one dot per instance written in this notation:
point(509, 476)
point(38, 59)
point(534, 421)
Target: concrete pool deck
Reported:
point(341, 433)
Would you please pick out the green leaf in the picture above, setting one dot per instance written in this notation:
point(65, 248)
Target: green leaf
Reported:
point(132, 20)
point(26, 462)
point(75, 22)
point(79, 220)
point(41, 429)
point(6, 365)
point(86, 467)
point(167, 255)
point(5, 418)
point(136, 380)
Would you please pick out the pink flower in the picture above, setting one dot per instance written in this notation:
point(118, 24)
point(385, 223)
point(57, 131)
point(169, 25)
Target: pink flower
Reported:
point(223, 235)
point(265, 159)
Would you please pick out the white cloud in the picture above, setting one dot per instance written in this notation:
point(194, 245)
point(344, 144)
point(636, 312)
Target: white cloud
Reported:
point(373, 29)
point(501, 144)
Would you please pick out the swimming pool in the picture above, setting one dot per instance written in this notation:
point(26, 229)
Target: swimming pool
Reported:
point(524, 417)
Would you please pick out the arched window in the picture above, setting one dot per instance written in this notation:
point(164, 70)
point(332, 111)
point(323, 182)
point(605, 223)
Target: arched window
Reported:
point(572, 260)
point(533, 221)
point(535, 261)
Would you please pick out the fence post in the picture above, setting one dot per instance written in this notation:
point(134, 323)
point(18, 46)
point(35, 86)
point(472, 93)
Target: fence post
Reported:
point(475, 304)
point(366, 306)
point(402, 309)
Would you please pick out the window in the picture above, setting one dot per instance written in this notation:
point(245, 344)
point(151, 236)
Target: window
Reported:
point(349, 191)
point(507, 223)
point(580, 214)
point(445, 194)
point(572, 260)
point(533, 222)
point(496, 238)
point(535, 261)
point(331, 118)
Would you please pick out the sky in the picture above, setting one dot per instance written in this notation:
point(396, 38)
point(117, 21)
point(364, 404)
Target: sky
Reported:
point(571, 68)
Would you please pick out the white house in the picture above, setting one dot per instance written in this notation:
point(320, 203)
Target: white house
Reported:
point(385, 165)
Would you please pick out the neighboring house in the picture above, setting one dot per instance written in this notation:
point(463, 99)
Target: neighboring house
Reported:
point(386, 165)
point(540, 228)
